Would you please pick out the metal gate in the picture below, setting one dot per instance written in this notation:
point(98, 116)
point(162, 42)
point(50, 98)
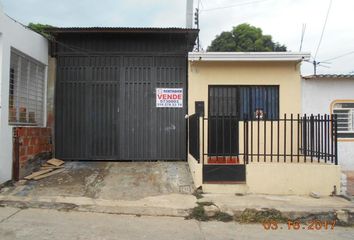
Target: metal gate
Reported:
point(106, 108)
point(228, 107)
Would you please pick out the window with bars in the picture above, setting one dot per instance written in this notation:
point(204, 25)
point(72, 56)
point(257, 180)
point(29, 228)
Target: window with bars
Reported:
point(26, 94)
point(246, 101)
point(345, 116)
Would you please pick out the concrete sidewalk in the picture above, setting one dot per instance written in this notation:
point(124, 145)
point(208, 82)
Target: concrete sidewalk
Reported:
point(180, 205)
point(233, 203)
point(39, 224)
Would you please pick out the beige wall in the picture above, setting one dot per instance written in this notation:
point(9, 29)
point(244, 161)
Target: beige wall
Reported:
point(292, 178)
point(284, 74)
point(277, 179)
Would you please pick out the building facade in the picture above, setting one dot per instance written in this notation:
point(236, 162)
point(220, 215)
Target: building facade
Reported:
point(246, 131)
point(23, 74)
point(334, 94)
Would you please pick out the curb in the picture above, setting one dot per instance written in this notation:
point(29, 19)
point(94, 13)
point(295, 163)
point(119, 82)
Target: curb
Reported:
point(119, 210)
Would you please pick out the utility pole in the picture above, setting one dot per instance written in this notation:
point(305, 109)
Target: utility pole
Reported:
point(315, 67)
point(196, 22)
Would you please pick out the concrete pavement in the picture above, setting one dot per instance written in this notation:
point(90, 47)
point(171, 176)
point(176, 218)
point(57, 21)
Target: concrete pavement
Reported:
point(150, 189)
point(42, 224)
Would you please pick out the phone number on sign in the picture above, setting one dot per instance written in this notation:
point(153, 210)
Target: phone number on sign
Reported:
point(297, 225)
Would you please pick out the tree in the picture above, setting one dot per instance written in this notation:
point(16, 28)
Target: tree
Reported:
point(40, 28)
point(245, 38)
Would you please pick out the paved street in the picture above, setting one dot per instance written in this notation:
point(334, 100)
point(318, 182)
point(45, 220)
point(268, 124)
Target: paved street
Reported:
point(38, 224)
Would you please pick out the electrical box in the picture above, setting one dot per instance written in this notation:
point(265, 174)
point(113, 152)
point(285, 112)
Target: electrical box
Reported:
point(199, 108)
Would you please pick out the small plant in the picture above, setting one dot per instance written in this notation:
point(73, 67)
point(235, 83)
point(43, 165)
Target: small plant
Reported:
point(205, 204)
point(198, 213)
point(223, 217)
point(198, 193)
point(259, 216)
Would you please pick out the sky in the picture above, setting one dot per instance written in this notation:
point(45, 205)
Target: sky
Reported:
point(283, 19)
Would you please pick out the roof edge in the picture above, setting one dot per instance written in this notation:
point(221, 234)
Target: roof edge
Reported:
point(120, 30)
point(329, 77)
point(248, 56)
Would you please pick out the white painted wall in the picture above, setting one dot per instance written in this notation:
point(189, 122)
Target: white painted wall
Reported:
point(13, 35)
point(317, 97)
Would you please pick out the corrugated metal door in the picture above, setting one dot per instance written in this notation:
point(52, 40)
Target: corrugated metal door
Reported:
point(108, 111)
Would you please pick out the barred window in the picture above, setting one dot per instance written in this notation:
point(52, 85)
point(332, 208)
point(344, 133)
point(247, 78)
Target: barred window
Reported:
point(345, 115)
point(26, 95)
point(251, 102)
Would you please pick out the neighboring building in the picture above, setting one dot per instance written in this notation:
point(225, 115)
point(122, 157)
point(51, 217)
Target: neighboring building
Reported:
point(23, 73)
point(334, 94)
point(112, 93)
point(246, 143)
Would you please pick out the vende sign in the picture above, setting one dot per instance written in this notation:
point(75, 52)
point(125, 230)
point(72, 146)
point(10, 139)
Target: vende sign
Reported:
point(169, 97)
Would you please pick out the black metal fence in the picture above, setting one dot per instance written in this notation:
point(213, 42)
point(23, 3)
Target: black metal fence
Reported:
point(194, 136)
point(293, 138)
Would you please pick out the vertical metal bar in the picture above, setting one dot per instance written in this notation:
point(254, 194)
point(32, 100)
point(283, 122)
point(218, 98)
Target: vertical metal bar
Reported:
point(203, 140)
point(217, 136)
point(325, 137)
point(304, 137)
point(318, 137)
point(209, 127)
point(258, 142)
point(230, 134)
point(247, 129)
point(271, 140)
point(336, 139)
point(298, 137)
point(291, 137)
point(244, 140)
point(265, 139)
point(198, 137)
point(312, 136)
point(332, 137)
point(251, 138)
point(223, 135)
point(285, 137)
point(278, 140)
point(321, 143)
point(329, 129)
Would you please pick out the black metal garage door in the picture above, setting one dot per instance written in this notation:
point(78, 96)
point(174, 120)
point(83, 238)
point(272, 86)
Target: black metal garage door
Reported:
point(106, 107)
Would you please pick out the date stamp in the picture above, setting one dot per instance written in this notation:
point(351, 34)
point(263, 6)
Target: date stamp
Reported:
point(311, 225)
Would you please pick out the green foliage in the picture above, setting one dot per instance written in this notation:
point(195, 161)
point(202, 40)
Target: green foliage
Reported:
point(245, 38)
point(199, 214)
point(259, 216)
point(198, 193)
point(40, 28)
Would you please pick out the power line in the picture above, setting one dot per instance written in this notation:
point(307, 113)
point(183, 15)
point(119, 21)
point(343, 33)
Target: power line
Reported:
point(302, 35)
point(232, 6)
point(340, 56)
point(324, 27)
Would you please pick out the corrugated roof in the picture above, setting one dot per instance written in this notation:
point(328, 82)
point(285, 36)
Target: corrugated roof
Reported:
point(121, 30)
point(329, 76)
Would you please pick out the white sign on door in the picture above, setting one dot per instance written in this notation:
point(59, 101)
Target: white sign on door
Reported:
point(169, 97)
